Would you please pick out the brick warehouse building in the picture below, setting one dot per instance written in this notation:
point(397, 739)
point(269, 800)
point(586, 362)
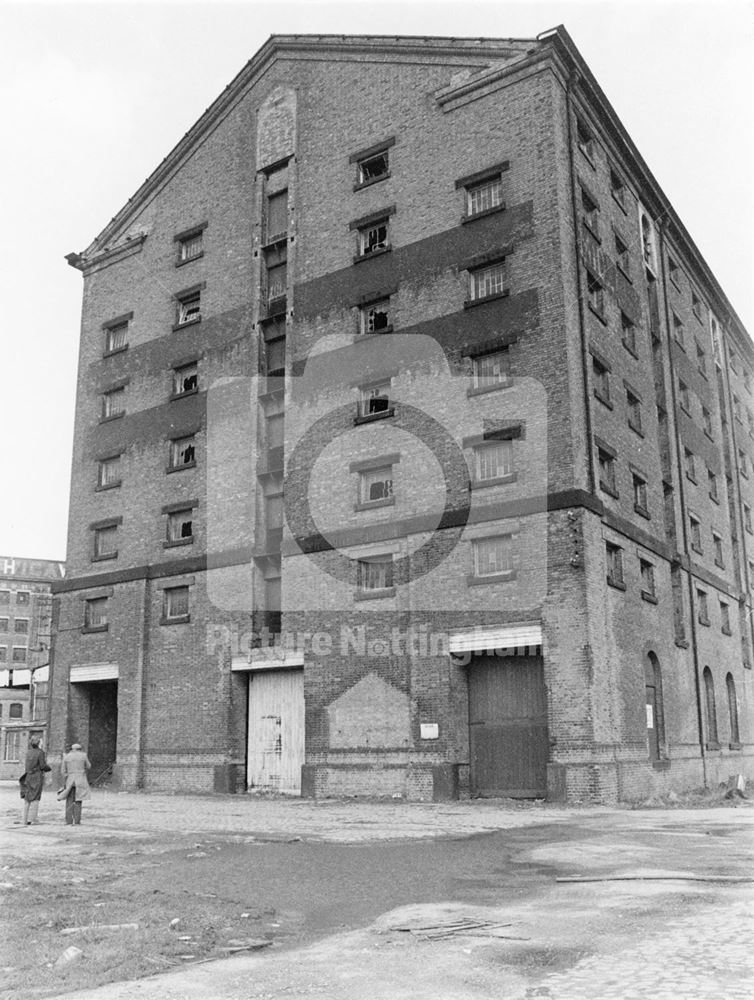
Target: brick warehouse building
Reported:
point(403, 358)
point(25, 639)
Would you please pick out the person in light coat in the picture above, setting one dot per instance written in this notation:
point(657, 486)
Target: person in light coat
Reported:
point(75, 765)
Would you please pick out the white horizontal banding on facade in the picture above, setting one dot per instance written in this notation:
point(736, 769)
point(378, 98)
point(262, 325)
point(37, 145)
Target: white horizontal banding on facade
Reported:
point(93, 672)
point(508, 638)
point(279, 661)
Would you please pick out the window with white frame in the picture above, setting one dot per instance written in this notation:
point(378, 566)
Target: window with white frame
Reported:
point(183, 452)
point(16, 711)
point(375, 573)
point(376, 484)
point(493, 460)
point(186, 379)
point(114, 403)
point(373, 167)
point(109, 471)
point(374, 237)
point(189, 307)
point(23, 597)
point(19, 654)
point(487, 281)
point(493, 556)
point(374, 399)
point(639, 483)
point(12, 748)
point(21, 626)
point(180, 526)
point(95, 613)
point(491, 370)
point(190, 246)
point(175, 606)
point(484, 195)
point(375, 317)
point(116, 337)
point(3, 624)
point(106, 542)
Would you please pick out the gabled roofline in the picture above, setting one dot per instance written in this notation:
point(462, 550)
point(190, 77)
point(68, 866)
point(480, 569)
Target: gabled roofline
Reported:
point(417, 45)
point(657, 201)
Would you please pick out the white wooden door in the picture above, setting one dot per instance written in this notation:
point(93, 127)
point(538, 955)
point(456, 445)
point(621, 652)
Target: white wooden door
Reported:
point(275, 748)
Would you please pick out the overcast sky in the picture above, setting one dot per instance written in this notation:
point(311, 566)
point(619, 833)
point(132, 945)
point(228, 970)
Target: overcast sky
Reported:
point(94, 95)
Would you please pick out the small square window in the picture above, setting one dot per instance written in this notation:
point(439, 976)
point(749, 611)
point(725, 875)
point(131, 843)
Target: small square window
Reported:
point(647, 572)
point(116, 338)
point(186, 379)
point(183, 452)
point(189, 308)
point(376, 485)
point(181, 526)
point(493, 461)
point(375, 317)
point(21, 626)
point(95, 613)
point(633, 406)
point(601, 378)
point(695, 533)
point(491, 370)
point(487, 281)
point(191, 246)
point(374, 237)
point(374, 399)
point(23, 597)
point(590, 213)
point(717, 548)
point(175, 607)
point(106, 542)
point(640, 495)
point(114, 403)
point(595, 294)
point(622, 256)
point(493, 556)
point(485, 195)
point(19, 654)
point(373, 168)
point(614, 559)
point(702, 607)
point(618, 188)
point(375, 574)
point(109, 472)
point(606, 464)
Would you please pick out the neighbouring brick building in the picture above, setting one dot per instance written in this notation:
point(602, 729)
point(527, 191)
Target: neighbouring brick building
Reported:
point(25, 629)
point(403, 357)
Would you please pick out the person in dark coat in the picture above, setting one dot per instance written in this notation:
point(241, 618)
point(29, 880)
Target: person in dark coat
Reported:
point(33, 781)
point(75, 765)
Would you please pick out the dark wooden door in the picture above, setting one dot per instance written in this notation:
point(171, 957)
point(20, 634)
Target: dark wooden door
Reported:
point(103, 728)
point(508, 740)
